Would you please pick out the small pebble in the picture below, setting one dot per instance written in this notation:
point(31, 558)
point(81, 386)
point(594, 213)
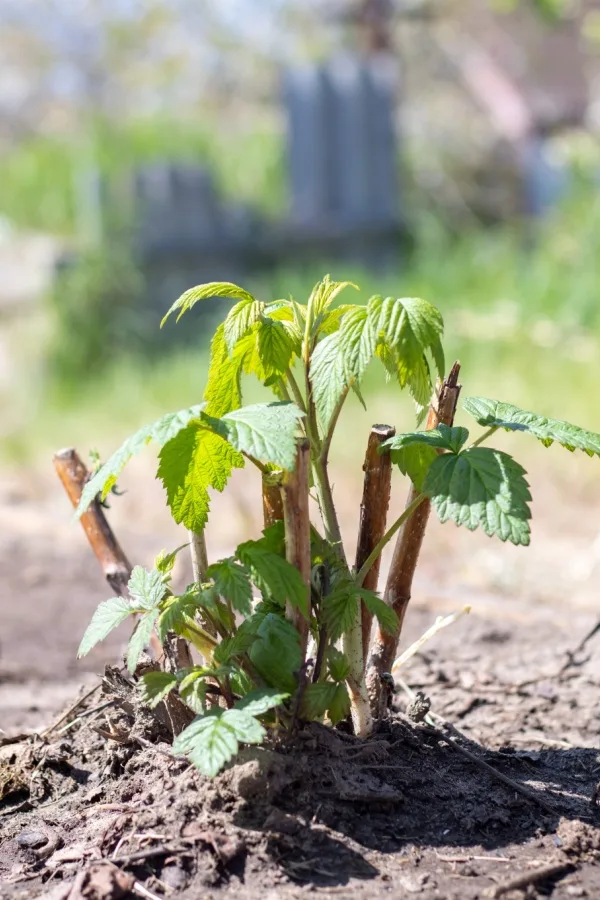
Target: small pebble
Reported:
point(30, 840)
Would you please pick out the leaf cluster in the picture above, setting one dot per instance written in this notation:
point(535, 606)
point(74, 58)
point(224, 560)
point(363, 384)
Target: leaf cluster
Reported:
point(243, 618)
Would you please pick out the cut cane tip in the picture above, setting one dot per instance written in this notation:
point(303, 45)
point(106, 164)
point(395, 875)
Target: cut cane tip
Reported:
point(452, 379)
point(65, 453)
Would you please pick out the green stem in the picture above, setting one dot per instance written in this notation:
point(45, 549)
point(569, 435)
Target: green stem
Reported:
point(486, 434)
point(296, 391)
point(379, 547)
point(334, 420)
point(333, 532)
point(264, 469)
point(284, 391)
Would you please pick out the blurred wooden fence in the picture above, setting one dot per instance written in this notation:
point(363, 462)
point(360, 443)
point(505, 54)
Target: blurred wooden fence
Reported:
point(345, 197)
point(345, 204)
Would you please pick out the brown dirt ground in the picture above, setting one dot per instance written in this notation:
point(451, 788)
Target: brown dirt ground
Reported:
point(404, 814)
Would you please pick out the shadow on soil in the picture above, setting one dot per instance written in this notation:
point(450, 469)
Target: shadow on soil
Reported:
point(322, 808)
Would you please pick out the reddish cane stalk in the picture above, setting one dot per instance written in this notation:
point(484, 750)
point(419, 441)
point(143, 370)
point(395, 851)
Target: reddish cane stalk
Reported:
point(406, 553)
point(373, 516)
point(272, 498)
point(297, 531)
point(107, 550)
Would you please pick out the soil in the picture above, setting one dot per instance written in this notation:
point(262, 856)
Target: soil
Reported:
point(403, 814)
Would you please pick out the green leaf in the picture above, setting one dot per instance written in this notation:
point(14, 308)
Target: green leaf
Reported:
point(213, 738)
point(273, 538)
point(266, 431)
point(384, 614)
point(332, 319)
point(414, 460)
point(493, 413)
point(165, 561)
point(233, 646)
point(232, 582)
point(223, 389)
point(175, 615)
point(357, 343)
point(316, 699)
point(481, 488)
point(290, 315)
point(277, 656)
point(161, 431)
point(146, 588)
point(108, 615)
point(339, 708)
point(441, 438)
point(274, 576)
point(327, 377)
point(208, 742)
point(207, 292)
point(324, 293)
point(156, 686)
point(275, 347)
point(338, 665)
point(140, 639)
point(260, 701)
point(340, 609)
point(405, 330)
point(246, 728)
point(193, 690)
point(241, 319)
point(191, 463)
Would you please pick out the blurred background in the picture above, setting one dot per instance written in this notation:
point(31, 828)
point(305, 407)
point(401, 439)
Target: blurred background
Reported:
point(440, 148)
point(444, 148)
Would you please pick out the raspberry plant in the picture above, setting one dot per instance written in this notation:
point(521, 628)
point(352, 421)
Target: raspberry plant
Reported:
point(283, 626)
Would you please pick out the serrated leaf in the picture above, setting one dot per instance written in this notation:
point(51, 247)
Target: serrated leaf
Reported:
point(240, 320)
point(175, 615)
point(405, 330)
point(275, 347)
point(156, 686)
point(223, 391)
point(194, 461)
point(165, 561)
point(146, 588)
point(324, 293)
point(327, 377)
point(161, 431)
point(357, 343)
point(206, 292)
point(276, 654)
point(384, 614)
point(273, 538)
point(414, 460)
point(274, 576)
point(338, 665)
point(504, 415)
point(193, 691)
point(209, 742)
point(481, 488)
point(246, 728)
point(316, 699)
point(266, 431)
point(331, 321)
point(232, 581)
point(233, 646)
point(441, 438)
point(339, 708)
point(108, 615)
point(140, 639)
point(283, 311)
point(340, 609)
point(260, 701)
